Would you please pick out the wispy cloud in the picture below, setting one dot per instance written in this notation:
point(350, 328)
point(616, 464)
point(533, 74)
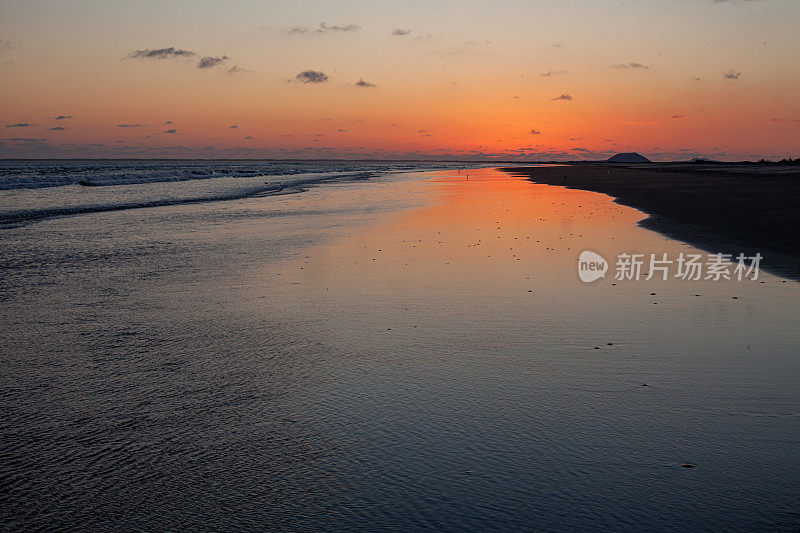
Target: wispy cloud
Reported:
point(535, 132)
point(170, 131)
point(324, 28)
point(19, 125)
point(236, 69)
point(731, 74)
point(551, 73)
point(63, 117)
point(564, 96)
point(678, 116)
point(233, 127)
point(210, 62)
point(160, 53)
point(362, 83)
point(311, 76)
point(129, 125)
point(57, 128)
point(5, 45)
point(399, 32)
point(632, 64)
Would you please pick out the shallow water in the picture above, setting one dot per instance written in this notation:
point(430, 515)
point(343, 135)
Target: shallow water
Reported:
point(410, 352)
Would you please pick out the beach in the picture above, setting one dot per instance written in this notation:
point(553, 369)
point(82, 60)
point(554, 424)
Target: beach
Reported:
point(753, 208)
point(412, 350)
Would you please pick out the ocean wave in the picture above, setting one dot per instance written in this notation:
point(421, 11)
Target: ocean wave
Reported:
point(22, 206)
point(35, 174)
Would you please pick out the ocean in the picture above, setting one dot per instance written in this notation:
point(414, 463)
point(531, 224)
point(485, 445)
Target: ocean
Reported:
point(359, 346)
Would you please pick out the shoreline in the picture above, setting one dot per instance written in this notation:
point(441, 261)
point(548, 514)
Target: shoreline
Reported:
point(717, 208)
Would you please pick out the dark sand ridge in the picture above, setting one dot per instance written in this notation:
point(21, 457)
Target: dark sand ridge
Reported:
point(726, 208)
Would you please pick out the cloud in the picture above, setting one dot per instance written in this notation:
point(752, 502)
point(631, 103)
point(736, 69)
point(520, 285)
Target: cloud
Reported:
point(236, 69)
point(695, 78)
point(57, 128)
point(678, 116)
point(324, 28)
point(362, 83)
point(632, 64)
point(550, 73)
point(535, 132)
point(160, 53)
point(399, 32)
point(731, 74)
point(5, 45)
point(129, 125)
point(248, 137)
point(25, 139)
point(170, 131)
point(63, 117)
point(311, 76)
point(210, 62)
point(19, 125)
point(563, 97)
point(233, 127)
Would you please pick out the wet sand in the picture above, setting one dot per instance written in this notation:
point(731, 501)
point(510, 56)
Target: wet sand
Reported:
point(725, 208)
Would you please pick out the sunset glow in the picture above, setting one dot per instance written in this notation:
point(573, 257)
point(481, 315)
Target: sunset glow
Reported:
point(504, 80)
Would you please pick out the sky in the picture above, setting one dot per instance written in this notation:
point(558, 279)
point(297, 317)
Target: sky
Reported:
point(503, 80)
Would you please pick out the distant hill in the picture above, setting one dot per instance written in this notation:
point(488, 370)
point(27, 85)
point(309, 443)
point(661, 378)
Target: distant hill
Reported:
point(628, 157)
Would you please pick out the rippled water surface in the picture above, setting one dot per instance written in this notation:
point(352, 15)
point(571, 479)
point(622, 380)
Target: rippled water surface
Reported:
point(405, 352)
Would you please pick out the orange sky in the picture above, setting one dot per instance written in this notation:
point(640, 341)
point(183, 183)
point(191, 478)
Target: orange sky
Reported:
point(671, 79)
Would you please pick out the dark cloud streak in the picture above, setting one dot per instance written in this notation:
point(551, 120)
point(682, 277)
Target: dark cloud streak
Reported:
point(160, 53)
point(632, 64)
point(211, 62)
point(311, 76)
